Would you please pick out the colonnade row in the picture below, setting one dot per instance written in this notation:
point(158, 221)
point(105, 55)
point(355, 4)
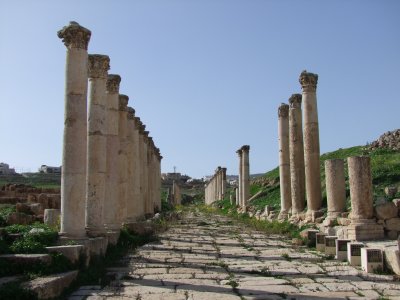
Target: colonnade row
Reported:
point(111, 168)
point(299, 152)
point(215, 189)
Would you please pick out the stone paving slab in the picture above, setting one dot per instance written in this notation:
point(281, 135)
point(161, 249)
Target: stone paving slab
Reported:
point(219, 259)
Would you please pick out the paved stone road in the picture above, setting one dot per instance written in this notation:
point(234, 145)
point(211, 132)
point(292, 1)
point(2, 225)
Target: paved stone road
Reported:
point(208, 257)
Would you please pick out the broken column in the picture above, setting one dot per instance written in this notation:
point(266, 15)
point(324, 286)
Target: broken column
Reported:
point(245, 176)
point(308, 83)
point(335, 187)
point(284, 160)
point(97, 142)
point(296, 150)
point(73, 179)
point(363, 225)
point(112, 121)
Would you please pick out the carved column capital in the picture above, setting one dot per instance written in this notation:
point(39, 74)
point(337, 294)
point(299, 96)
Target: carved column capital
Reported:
point(283, 110)
point(245, 148)
point(113, 81)
point(98, 65)
point(131, 113)
point(308, 81)
point(295, 101)
point(74, 36)
point(123, 102)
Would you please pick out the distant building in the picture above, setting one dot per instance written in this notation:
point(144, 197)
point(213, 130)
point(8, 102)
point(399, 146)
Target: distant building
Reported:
point(5, 169)
point(50, 170)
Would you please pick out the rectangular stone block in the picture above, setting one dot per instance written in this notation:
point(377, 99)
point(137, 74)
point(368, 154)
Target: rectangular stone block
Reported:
point(330, 245)
point(72, 252)
point(320, 241)
point(354, 253)
point(371, 259)
point(341, 249)
point(365, 232)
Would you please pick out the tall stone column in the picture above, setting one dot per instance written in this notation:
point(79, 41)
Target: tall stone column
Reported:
point(363, 225)
point(147, 208)
point(138, 148)
point(308, 83)
point(240, 198)
point(237, 196)
point(130, 154)
point(219, 183)
point(158, 179)
point(245, 176)
point(97, 145)
point(296, 153)
point(110, 204)
point(223, 171)
point(284, 160)
point(335, 187)
point(150, 163)
point(73, 178)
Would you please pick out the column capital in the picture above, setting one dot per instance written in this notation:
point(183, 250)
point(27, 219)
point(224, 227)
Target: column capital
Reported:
point(75, 36)
point(245, 148)
point(239, 152)
point(295, 101)
point(98, 65)
point(308, 81)
point(123, 102)
point(113, 81)
point(131, 113)
point(283, 110)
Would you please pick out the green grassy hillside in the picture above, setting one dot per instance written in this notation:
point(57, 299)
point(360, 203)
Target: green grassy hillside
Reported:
point(385, 166)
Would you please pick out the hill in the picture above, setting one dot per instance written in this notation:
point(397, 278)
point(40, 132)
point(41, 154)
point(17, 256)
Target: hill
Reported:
point(385, 164)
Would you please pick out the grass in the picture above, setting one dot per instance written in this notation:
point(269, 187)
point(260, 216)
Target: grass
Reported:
point(385, 167)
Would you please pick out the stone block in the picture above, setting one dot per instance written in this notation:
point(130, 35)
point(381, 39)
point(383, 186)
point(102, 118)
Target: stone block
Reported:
point(341, 249)
point(52, 217)
point(386, 211)
point(320, 242)
point(27, 259)
point(19, 218)
point(51, 286)
point(343, 221)
point(392, 234)
point(141, 228)
point(23, 208)
point(330, 245)
point(72, 252)
point(354, 253)
point(36, 209)
point(371, 259)
point(390, 191)
point(364, 230)
point(392, 224)
point(112, 237)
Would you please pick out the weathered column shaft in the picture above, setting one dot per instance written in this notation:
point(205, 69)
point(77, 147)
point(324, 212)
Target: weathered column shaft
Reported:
point(284, 159)
point(97, 143)
point(73, 180)
point(360, 180)
point(245, 175)
point(296, 152)
point(237, 196)
point(223, 188)
point(308, 83)
point(138, 168)
point(239, 199)
point(147, 208)
point(110, 205)
point(335, 187)
point(131, 213)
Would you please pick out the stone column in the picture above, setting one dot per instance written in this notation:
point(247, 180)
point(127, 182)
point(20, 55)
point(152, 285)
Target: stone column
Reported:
point(97, 143)
point(363, 225)
point(73, 178)
point(284, 160)
point(296, 151)
point(112, 123)
point(130, 205)
point(219, 182)
point(223, 171)
point(158, 179)
point(147, 209)
point(308, 83)
point(138, 140)
point(335, 187)
point(150, 162)
point(245, 176)
point(237, 196)
point(240, 198)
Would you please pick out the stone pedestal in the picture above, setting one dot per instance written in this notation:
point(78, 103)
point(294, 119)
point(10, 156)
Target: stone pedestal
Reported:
point(73, 178)
point(284, 160)
point(363, 226)
point(112, 107)
point(296, 150)
point(308, 83)
point(97, 145)
point(335, 187)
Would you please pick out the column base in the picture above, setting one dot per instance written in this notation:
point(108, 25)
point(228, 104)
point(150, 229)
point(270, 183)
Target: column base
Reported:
point(95, 232)
point(283, 215)
point(364, 230)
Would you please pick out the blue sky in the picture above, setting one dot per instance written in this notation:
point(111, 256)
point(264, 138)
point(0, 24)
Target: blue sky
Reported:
point(206, 77)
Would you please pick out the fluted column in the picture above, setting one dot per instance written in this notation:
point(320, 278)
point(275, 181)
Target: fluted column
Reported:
point(296, 152)
point(245, 176)
point(284, 160)
point(240, 198)
point(130, 155)
point(73, 178)
point(223, 182)
point(112, 121)
point(335, 187)
point(308, 83)
point(97, 143)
